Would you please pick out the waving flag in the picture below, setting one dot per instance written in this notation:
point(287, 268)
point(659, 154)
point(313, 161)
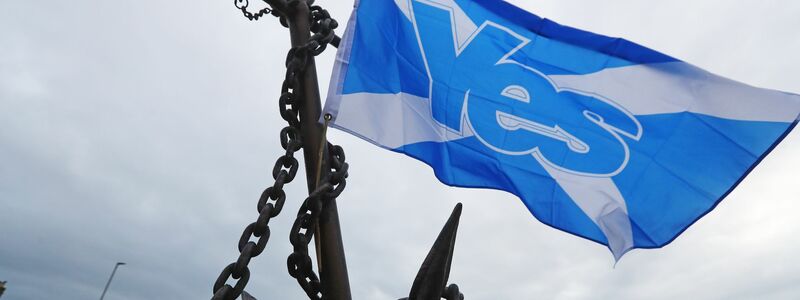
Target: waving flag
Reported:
point(598, 136)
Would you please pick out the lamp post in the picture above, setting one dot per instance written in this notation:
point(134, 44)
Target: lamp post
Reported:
point(111, 278)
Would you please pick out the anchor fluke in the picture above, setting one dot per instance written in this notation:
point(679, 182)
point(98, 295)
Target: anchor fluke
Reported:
point(431, 280)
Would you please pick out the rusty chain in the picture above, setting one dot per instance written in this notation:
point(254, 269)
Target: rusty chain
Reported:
point(271, 202)
point(269, 206)
point(299, 262)
point(243, 5)
point(273, 198)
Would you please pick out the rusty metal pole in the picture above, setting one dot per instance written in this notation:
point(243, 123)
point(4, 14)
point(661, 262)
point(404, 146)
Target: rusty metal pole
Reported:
point(333, 265)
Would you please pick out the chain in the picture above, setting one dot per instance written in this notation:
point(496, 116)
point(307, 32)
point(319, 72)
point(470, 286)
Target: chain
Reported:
point(269, 206)
point(243, 4)
point(273, 198)
point(334, 181)
point(299, 262)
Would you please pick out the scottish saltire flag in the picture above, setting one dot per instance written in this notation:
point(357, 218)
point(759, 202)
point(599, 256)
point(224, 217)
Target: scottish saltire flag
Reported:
point(598, 136)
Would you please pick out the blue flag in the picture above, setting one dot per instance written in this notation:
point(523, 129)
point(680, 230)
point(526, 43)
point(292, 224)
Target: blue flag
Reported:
point(599, 137)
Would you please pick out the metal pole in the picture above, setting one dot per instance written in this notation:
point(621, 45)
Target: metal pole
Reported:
point(111, 278)
point(333, 265)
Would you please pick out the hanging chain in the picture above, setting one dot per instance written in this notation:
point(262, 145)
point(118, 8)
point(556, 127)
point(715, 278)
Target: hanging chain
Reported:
point(299, 262)
point(269, 206)
point(332, 184)
point(273, 198)
point(243, 4)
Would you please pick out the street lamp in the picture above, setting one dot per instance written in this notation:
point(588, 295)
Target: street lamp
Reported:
point(111, 278)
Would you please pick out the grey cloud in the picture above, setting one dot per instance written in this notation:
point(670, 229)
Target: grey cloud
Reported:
point(144, 132)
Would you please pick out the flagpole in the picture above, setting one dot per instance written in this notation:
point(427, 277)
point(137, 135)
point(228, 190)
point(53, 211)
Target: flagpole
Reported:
point(330, 254)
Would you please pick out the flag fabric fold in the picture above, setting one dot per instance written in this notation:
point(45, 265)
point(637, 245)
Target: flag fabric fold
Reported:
point(598, 136)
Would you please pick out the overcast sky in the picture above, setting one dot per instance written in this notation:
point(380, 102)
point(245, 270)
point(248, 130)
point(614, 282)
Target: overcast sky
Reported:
point(145, 131)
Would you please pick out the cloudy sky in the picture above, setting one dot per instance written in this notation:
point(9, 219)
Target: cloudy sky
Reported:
point(144, 132)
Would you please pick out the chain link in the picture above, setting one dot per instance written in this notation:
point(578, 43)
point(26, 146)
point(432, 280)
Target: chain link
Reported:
point(452, 293)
